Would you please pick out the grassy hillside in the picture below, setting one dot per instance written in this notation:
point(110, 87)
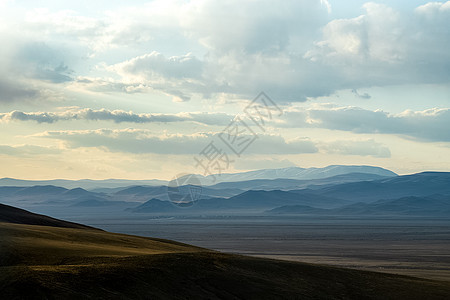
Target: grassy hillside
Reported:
point(11, 214)
point(45, 262)
point(43, 245)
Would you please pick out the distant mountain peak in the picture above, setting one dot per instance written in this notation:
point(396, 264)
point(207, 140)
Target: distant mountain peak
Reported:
point(297, 173)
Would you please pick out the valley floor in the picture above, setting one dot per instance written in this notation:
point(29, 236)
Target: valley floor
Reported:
point(42, 262)
point(417, 247)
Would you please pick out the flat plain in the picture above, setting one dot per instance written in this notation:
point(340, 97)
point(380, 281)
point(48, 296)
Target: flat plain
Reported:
point(416, 247)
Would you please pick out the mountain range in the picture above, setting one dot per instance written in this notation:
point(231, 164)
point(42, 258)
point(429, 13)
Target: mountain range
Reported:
point(429, 206)
point(294, 173)
point(430, 189)
point(286, 173)
point(375, 191)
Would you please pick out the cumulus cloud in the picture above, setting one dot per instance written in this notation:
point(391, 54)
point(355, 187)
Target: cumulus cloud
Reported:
point(383, 47)
point(178, 76)
point(267, 26)
point(434, 10)
point(375, 35)
point(129, 25)
point(242, 48)
point(144, 141)
point(284, 52)
point(117, 116)
point(292, 50)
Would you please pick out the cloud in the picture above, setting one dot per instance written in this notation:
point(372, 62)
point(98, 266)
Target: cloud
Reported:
point(361, 96)
point(140, 141)
point(155, 65)
point(30, 70)
point(262, 163)
point(143, 141)
point(292, 50)
point(384, 47)
point(41, 61)
point(433, 10)
point(375, 35)
point(247, 50)
point(27, 150)
point(362, 148)
point(238, 51)
point(179, 76)
point(14, 91)
point(109, 85)
point(284, 52)
point(428, 125)
point(111, 29)
point(117, 116)
point(252, 27)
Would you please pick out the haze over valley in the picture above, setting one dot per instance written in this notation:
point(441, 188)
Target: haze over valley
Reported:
point(205, 149)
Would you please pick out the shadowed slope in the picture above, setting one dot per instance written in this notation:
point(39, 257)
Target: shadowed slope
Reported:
point(42, 245)
point(11, 214)
point(44, 262)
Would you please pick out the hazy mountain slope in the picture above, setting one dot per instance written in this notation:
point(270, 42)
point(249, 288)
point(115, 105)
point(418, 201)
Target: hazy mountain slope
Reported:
point(11, 214)
point(434, 206)
point(291, 184)
point(296, 173)
point(421, 184)
point(43, 190)
point(287, 173)
point(84, 183)
point(270, 198)
point(297, 210)
point(250, 201)
point(329, 197)
point(155, 206)
point(143, 193)
point(48, 196)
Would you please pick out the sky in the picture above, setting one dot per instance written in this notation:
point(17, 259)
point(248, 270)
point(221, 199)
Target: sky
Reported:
point(152, 89)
